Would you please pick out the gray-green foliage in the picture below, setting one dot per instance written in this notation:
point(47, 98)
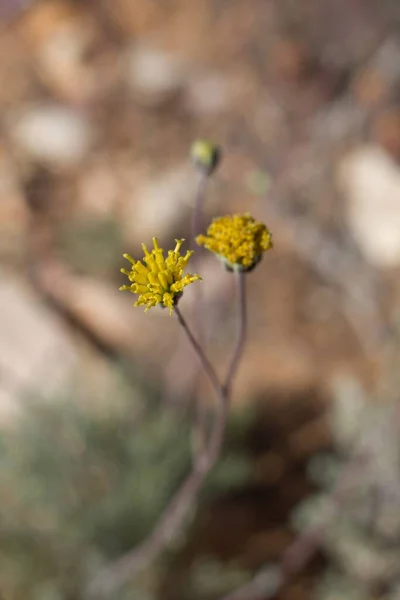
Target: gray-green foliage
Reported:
point(360, 498)
point(77, 489)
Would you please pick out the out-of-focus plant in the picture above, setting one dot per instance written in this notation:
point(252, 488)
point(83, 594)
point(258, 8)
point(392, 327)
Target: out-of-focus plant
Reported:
point(357, 510)
point(78, 489)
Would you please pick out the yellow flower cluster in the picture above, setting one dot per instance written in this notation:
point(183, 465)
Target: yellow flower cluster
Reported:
point(160, 281)
point(238, 240)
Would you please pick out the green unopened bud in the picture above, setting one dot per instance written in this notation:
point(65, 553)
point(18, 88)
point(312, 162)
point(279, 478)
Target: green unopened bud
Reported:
point(205, 155)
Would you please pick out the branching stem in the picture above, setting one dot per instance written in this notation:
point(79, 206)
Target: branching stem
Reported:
point(116, 574)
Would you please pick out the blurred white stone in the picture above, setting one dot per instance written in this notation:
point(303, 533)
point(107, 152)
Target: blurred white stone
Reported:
point(98, 189)
point(387, 60)
point(159, 205)
point(154, 75)
point(109, 314)
point(370, 180)
point(52, 134)
point(61, 58)
point(36, 353)
point(210, 93)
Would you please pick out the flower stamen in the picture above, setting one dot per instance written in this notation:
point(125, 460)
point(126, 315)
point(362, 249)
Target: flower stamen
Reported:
point(238, 240)
point(158, 280)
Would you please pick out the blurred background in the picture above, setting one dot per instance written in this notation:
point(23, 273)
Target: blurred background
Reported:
point(100, 101)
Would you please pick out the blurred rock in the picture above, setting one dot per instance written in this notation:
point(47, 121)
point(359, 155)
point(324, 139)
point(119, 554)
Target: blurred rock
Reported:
point(37, 355)
point(61, 62)
point(59, 36)
point(10, 9)
point(338, 121)
point(159, 205)
point(387, 59)
point(137, 18)
point(386, 130)
point(52, 134)
point(210, 93)
point(154, 75)
point(370, 180)
point(44, 17)
point(15, 70)
point(280, 364)
point(369, 87)
point(291, 59)
point(98, 188)
point(106, 314)
point(373, 84)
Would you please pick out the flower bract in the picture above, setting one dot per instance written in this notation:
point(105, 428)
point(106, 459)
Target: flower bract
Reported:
point(158, 281)
point(238, 240)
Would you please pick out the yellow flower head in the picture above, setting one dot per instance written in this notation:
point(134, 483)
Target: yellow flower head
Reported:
point(238, 240)
point(157, 280)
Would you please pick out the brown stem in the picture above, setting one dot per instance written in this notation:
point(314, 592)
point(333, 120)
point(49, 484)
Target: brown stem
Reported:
point(115, 575)
point(240, 277)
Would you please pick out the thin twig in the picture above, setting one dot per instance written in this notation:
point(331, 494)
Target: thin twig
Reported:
point(242, 330)
point(113, 576)
point(200, 422)
point(205, 363)
point(210, 454)
point(197, 216)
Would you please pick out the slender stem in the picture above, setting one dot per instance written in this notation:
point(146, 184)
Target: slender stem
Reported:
point(197, 216)
point(205, 363)
point(240, 277)
point(116, 574)
point(200, 421)
point(209, 455)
